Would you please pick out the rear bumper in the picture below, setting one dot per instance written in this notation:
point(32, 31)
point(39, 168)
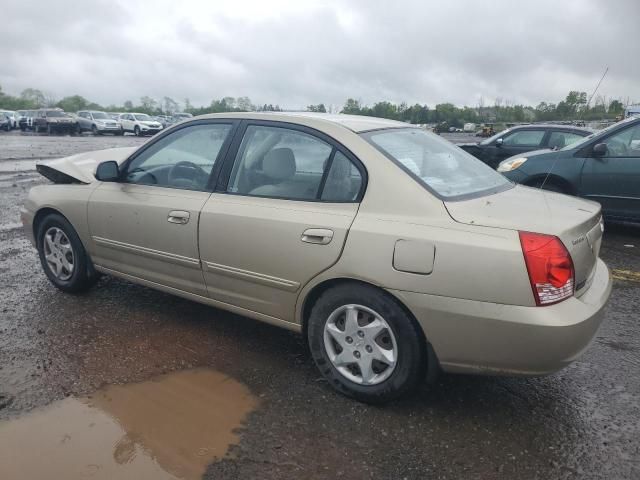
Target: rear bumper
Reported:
point(487, 338)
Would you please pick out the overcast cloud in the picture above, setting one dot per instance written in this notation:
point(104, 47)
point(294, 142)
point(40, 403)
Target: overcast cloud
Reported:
point(299, 52)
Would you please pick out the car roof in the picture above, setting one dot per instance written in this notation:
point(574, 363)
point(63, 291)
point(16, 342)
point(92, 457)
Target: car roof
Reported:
point(555, 126)
point(356, 123)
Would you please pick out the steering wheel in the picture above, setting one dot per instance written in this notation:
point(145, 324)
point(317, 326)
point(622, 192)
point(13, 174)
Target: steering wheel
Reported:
point(185, 170)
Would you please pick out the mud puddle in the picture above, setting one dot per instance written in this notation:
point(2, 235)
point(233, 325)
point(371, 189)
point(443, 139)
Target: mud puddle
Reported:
point(171, 427)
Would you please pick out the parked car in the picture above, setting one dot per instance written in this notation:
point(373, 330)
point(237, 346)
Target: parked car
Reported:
point(114, 116)
point(25, 121)
point(98, 123)
point(605, 167)
point(522, 139)
point(139, 124)
point(13, 118)
point(5, 122)
point(54, 120)
point(394, 252)
point(180, 116)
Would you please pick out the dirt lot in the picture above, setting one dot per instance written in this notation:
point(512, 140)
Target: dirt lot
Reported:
point(77, 357)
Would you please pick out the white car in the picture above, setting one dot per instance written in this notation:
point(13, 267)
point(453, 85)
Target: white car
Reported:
point(13, 118)
point(139, 124)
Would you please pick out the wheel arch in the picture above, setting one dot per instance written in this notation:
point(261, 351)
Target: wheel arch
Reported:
point(551, 179)
point(41, 214)
point(311, 297)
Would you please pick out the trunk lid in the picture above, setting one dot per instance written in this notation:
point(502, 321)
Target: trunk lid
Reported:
point(576, 222)
point(81, 167)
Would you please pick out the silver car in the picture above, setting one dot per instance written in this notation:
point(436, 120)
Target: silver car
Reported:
point(395, 253)
point(98, 123)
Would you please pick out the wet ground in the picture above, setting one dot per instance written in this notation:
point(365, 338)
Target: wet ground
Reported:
point(130, 361)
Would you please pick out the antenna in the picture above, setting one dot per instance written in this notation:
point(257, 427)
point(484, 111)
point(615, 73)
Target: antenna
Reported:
point(585, 108)
point(597, 86)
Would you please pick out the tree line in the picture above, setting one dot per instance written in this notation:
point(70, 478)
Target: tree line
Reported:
point(575, 106)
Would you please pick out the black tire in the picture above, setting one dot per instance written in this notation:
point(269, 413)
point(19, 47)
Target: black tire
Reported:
point(411, 362)
point(49, 129)
point(37, 128)
point(120, 133)
point(83, 275)
point(94, 130)
point(136, 131)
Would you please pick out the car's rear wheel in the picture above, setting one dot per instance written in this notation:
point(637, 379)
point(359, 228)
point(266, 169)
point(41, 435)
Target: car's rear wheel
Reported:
point(365, 344)
point(62, 255)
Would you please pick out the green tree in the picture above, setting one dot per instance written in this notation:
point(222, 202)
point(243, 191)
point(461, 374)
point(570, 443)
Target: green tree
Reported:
point(317, 108)
point(33, 97)
point(352, 106)
point(74, 103)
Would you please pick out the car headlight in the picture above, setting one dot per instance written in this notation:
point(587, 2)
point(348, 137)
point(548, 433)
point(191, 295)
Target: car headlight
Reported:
point(511, 164)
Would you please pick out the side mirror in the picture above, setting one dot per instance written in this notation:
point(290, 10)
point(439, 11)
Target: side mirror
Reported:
point(599, 150)
point(108, 171)
point(499, 142)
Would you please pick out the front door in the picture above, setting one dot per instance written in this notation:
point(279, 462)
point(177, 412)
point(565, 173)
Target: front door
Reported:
point(283, 216)
point(146, 225)
point(614, 179)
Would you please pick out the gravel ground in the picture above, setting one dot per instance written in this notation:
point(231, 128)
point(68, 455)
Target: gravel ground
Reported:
point(583, 422)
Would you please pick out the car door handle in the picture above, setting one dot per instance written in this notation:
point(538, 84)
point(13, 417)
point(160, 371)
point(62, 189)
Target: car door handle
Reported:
point(321, 236)
point(178, 216)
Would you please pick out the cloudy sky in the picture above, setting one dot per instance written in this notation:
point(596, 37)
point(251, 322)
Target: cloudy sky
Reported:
point(298, 52)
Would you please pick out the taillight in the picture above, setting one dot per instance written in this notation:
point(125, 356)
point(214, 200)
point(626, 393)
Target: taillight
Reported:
point(550, 267)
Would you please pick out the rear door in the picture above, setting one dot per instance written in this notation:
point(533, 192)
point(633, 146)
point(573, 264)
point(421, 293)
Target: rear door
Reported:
point(281, 213)
point(614, 179)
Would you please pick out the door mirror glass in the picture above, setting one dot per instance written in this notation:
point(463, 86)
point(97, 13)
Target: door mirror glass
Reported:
point(499, 142)
point(599, 150)
point(108, 171)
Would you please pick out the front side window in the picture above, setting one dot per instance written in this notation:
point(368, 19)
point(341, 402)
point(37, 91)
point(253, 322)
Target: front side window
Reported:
point(183, 159)
point(524, 138)
point(441, 167)
point(284, 163)
point(625, 143)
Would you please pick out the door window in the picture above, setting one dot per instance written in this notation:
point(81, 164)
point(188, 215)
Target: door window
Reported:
point(560, 140)
point(625, 143)
point(283, 163)
point(524, 138)
point(183, 159)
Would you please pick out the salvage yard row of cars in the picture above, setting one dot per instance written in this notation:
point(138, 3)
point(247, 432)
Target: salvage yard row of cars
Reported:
point(55, 120)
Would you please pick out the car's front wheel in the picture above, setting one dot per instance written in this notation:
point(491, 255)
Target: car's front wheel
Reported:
point(136, 131)
point(365, 344)
point(62, 255)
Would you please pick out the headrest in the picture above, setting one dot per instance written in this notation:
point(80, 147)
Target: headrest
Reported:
point(279, 164)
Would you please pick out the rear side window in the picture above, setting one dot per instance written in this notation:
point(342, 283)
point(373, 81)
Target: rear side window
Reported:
point(444, 169)
point(562, 139)
point(279, 162)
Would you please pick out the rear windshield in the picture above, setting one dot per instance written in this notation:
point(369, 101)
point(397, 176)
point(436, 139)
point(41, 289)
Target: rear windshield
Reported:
point(55, 113)
point(99, 115)
point(142, 116)
point(444, 169)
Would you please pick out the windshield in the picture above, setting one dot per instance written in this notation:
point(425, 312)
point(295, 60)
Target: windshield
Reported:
point(99, 115)
point(583, 141)
point(142, 117)
point(55, 113)
point(443, 168)
point(487, 141)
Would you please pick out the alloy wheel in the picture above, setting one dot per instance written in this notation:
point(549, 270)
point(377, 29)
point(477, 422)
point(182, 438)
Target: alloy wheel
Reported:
point(58, 253)
point(360, 344)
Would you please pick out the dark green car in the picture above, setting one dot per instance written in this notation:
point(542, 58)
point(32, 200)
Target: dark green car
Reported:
point(604, 167)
